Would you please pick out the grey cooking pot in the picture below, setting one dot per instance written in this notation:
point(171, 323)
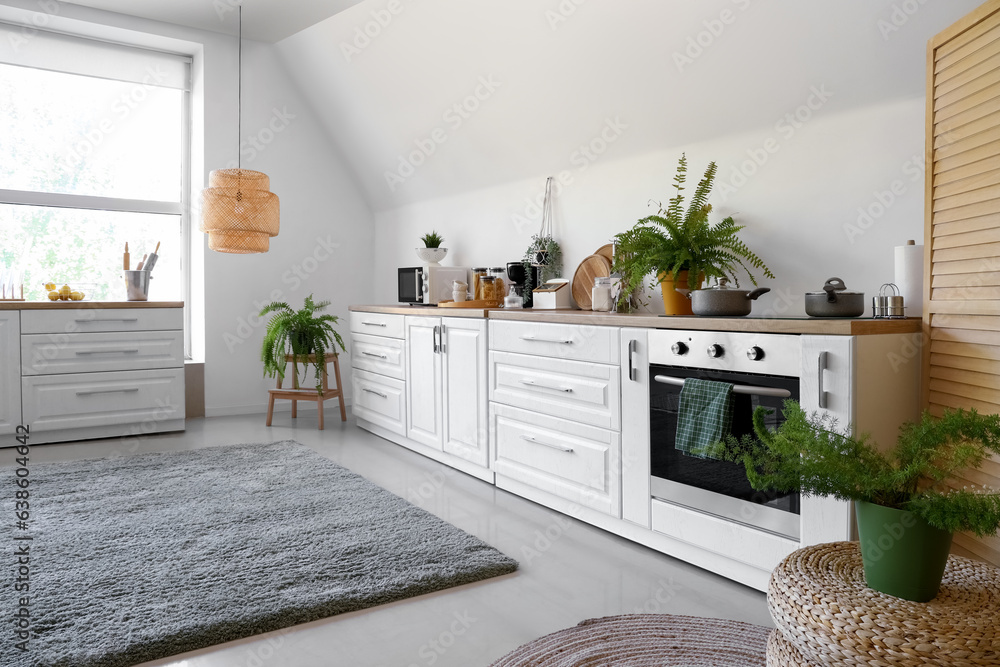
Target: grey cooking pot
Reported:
point(835, 301)
point(722, 300)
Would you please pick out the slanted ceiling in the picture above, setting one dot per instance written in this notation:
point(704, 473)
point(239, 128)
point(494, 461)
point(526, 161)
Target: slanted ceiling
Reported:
point(454, 97)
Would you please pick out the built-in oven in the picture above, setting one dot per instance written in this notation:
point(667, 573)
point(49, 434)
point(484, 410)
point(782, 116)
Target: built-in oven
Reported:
point(763, 370)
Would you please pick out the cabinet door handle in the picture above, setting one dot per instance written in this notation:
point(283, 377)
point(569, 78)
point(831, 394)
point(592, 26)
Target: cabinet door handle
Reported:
point(437, 338)
point(373, 324)
point(560, 341)
point(107, 319)
point(82, 353)
point(632, 374)
point(128, 390)
point(372, 391)
point(532, 383)
point(561, 448)
point(820, 367)
point(372, 354)
point(441, 337)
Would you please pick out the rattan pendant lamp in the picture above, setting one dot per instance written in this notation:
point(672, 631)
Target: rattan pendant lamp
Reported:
point(238, 211)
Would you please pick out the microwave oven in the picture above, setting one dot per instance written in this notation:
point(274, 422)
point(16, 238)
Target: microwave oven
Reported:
point(429, 285)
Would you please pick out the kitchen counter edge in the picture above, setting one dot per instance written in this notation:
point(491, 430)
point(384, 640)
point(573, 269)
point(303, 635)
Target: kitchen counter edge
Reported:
point(95, 305)
point(817, 326)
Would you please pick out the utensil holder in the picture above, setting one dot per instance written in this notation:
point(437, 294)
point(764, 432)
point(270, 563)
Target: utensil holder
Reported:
point(137, 285)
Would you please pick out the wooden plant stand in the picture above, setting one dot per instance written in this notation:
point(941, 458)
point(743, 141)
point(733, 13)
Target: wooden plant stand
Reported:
point(296, 394)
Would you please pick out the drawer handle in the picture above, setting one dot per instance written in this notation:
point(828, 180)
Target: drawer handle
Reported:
point(561, 341)
point(129, 390)
point(532, 383)
point(82, 353)
point(561, 448)
point(107, 319)
point(372, 354)
point(372, 391)
point(373, 324)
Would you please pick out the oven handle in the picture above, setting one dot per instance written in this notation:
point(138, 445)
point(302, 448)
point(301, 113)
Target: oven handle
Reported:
point(737, 388)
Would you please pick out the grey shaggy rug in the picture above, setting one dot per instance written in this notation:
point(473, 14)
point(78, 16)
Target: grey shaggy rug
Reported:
point(139, 558)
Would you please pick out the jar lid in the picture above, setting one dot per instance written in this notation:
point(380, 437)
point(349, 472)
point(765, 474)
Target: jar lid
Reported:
point(488, 279)
point(498, 269)
point(478, 269)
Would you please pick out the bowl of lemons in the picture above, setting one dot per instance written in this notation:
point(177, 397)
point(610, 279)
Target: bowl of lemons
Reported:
point(68, 291)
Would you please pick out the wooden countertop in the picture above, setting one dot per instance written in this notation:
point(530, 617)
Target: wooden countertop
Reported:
point(94, 305)
point(828, 326)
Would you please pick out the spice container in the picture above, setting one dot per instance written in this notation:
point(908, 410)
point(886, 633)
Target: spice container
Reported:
point(477, 275)
point(600, 294)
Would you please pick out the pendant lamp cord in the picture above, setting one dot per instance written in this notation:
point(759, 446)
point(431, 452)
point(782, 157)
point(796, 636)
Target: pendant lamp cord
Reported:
point(239, 108)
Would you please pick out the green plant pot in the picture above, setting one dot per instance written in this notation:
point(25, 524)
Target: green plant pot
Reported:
point(903, 555)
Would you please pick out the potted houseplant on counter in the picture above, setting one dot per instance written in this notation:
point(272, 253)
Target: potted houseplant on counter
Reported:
point(906, 510)
point(682, 248)
point(308, 338)
point(432, 252)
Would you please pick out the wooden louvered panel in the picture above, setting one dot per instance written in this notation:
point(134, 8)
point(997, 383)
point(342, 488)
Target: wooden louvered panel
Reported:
point(966, 280)
point(970, 170)
point(968, 239)
point(962, 234)
point(967, 70)
point(985, 251)
point(967, 198)
point(968, 157)
point(980, 265)
point(965, 363)
point(960, 119)
point(954, 47)
point(974, 322)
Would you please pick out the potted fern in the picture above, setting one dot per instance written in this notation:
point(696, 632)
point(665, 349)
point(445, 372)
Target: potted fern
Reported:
point(303, 335)
point(906, 510)
point(682, 248)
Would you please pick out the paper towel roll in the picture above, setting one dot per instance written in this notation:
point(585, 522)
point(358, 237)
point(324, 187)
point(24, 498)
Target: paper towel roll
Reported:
point(909, 277)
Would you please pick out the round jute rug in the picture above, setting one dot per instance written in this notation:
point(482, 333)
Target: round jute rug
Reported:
point(646, 640)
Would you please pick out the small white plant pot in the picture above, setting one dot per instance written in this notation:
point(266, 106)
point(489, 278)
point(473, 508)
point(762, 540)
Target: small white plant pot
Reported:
point(432, 256)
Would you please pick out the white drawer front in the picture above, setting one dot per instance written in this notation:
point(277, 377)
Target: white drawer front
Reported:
point(47, 354)
point(565, 341)
point(377, 324)
point(377, 354)
point(584, 392)
point(575, 462)
point(86, 320)
point(380, 400)
point(57, 402)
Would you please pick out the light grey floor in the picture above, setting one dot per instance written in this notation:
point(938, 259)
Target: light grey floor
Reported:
point(569, 571)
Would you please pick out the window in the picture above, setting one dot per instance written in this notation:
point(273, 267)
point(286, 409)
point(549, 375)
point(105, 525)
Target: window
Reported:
point(95, 152)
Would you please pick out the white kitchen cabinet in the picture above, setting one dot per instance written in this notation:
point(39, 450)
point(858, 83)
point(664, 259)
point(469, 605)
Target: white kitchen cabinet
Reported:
point(378, 373)
point(10, 374)
point(424, 391)
point(635, 426)
point(465, 381)
point(380, 400)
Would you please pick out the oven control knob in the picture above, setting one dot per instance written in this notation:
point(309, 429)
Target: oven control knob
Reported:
point(755, 353)
point(715, 351)
point(679, 348)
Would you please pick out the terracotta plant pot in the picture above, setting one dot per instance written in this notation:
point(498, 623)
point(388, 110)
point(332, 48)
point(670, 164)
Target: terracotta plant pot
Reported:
point(675, 303)
point(903, 555)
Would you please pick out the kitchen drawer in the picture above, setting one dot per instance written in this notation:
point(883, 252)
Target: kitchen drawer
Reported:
point(584, 392)
point(83, 400)
point(377, 324)
point(565, 341)
point(563, 458)
point(48, 354)
point(377, 354)
point(380, 400)
point(87, 320)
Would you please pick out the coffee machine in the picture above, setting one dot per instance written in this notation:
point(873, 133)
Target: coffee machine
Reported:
point(523, 280)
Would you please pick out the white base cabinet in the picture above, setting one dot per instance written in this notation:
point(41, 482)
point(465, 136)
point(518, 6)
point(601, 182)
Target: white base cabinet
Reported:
point(10, 375)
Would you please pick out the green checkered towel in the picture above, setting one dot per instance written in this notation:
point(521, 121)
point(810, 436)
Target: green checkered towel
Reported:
point(704, 416)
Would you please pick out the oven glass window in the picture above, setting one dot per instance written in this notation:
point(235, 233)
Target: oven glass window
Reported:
point(719, 477)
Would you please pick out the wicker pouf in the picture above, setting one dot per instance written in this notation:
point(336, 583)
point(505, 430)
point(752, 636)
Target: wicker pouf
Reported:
point(781, 653)
point(819, 601)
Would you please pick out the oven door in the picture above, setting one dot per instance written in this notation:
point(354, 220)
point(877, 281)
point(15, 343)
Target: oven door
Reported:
point(708, 485)
point(410, 285)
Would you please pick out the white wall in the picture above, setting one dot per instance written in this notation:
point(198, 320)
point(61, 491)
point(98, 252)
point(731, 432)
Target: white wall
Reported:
point(320, 199)
point(714, 78)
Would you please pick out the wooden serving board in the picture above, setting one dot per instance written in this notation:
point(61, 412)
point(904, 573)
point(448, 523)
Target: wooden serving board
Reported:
point(607, 252)
point(593, 266)
point(469, 304)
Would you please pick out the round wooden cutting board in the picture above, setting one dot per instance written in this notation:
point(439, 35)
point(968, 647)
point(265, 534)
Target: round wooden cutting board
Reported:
point(607, 251)
point(593, 266)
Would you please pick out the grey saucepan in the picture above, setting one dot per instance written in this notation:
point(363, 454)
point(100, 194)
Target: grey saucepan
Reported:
point(835, 301)
point(722, 300)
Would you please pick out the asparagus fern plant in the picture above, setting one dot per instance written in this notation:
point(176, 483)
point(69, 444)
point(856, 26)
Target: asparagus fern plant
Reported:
point(810, 455)
point(299, 333)
point(432, 240)
point(676, 240)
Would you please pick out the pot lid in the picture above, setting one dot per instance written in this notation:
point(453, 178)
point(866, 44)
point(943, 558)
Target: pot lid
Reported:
point(723, 285)
point(834, 286)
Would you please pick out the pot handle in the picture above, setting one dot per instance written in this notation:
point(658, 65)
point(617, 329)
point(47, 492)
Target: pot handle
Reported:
point(832, 286)
point(757, 292)
point(683, 290)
